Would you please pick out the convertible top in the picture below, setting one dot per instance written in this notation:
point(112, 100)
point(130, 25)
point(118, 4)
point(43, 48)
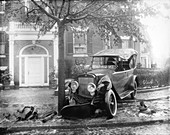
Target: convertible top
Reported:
point(123, 53)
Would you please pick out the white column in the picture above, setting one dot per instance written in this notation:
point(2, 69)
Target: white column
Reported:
point(11, 57)
point(146, 59)
point(55, 48)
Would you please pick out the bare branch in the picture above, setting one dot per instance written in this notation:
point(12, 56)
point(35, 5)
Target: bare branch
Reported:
point(68, 10)
point(47, 5)
point(99, 8)
point(45, 12)
point(62, 6)
point(28, 12)
point(77, 19)
point(91, 3)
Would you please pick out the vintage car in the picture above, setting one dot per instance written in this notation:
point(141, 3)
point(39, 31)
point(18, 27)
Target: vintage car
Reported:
point(110, 78)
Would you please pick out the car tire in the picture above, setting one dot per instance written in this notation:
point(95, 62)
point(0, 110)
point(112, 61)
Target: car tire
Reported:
point(111, 104)
point(134, 93)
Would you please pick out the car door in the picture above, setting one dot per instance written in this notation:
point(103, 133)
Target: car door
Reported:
point(119, 79)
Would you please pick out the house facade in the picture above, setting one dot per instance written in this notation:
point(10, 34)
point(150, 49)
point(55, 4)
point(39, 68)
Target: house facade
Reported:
point(31, 59)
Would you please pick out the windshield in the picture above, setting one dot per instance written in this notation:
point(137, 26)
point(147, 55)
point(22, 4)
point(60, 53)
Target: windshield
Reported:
point(104, 62)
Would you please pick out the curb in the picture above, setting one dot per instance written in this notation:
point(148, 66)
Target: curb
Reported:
point(92, 125)
point(152, 89)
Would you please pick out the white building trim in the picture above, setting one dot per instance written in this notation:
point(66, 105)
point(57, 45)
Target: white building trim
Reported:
point(55, 48)
point(18, 31)
point(11, 58)
point(42, 56)
point(20, 53)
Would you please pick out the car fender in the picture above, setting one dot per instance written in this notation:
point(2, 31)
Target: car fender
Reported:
point(108, 85)
point(106, 81)
point(130, 83)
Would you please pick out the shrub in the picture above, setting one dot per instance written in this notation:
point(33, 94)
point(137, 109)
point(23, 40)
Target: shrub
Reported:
point(6, 76)
point(149, 77)
point(53, 74)
point(79, 69)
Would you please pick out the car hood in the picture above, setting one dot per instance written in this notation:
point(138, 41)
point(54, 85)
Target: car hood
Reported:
point(99, 72)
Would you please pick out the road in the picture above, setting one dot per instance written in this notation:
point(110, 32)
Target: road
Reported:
point(155, 100)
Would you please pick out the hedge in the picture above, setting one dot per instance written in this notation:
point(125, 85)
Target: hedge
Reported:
point(149, 77)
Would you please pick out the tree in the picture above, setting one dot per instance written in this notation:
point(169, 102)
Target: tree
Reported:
point(107, 16)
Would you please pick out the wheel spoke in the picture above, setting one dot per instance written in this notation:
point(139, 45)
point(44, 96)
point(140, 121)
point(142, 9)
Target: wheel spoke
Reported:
point(112, 105)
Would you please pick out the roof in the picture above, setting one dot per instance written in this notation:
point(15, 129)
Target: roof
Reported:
point(123, 53)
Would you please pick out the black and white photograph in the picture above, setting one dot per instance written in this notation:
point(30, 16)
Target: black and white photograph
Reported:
point(84, 67)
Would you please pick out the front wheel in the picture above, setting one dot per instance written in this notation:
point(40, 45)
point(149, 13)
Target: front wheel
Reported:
point(111, 104)
point(134, 93)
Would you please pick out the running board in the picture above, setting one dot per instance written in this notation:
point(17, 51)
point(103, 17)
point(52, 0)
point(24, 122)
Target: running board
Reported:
point(125, 93)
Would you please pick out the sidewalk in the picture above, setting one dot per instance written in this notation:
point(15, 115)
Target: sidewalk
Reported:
point(44, 100)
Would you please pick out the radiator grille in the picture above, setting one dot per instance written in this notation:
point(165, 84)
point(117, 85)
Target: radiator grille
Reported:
point(83, 82)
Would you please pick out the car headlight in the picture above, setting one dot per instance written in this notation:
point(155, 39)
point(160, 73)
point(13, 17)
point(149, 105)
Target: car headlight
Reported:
point(91, 87)
point(74, 86)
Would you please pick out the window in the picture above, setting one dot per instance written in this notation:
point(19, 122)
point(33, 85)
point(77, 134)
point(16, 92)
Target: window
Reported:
point(80, 43)
point(2, 42)
point(2, 49)
point(2, 7)
point(125, 43)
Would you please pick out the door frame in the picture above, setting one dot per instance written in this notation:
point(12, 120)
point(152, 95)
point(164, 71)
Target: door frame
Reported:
point(25, 58)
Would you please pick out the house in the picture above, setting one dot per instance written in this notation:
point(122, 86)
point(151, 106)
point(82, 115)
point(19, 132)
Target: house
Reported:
point(31, 59)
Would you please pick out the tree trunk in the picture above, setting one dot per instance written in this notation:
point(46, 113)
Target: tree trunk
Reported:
point(61, 67)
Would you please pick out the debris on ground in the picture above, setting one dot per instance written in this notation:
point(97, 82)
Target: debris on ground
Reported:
point(144, 109)
point(48, 116)
point(28, 113)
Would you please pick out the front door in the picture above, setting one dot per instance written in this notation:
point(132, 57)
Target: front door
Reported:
point(35, 71)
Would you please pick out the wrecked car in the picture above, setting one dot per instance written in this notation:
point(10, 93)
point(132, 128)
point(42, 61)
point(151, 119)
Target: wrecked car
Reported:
point(109, 79)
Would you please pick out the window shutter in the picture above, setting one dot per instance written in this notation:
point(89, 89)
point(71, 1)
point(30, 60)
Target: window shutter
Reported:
point(89, 42)
point(69, 42)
